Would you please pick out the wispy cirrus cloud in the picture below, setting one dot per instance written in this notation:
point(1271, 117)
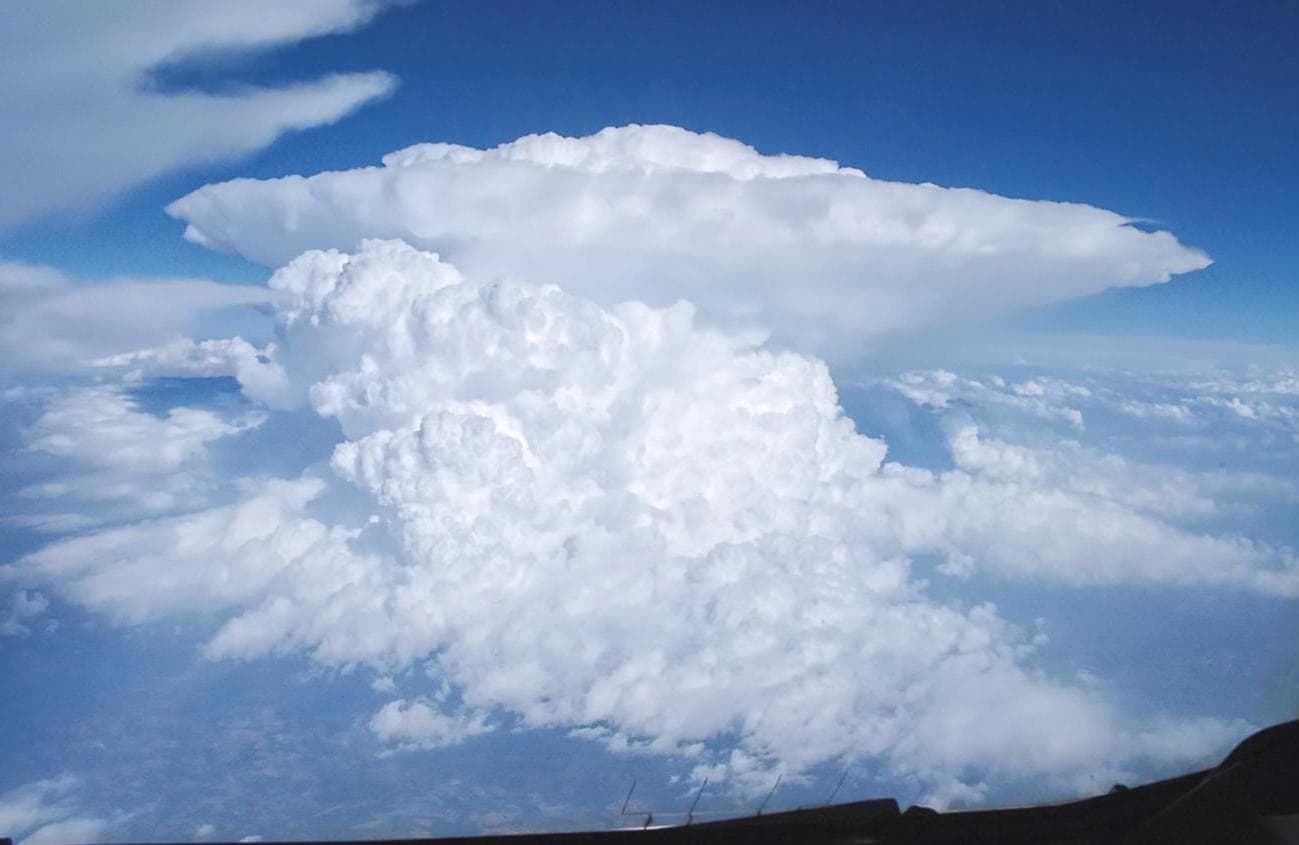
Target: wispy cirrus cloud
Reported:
point(53, 323)
point(45, 812)
point(70, 72)
point(22, 607)
point(114, 460)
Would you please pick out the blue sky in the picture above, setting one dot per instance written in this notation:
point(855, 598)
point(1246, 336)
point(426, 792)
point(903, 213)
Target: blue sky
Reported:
point(933, 487)
point(1180, 113)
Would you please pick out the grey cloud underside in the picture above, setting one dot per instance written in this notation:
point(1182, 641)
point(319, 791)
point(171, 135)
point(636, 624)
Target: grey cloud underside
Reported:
point(617, 520)
point(824, 257)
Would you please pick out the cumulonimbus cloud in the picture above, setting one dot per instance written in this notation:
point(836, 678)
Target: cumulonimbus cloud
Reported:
point(619, 521)
point(76, 71)
point(825, 257)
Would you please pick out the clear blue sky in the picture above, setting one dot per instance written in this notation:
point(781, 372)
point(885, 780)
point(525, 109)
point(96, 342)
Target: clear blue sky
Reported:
point(1184, 113)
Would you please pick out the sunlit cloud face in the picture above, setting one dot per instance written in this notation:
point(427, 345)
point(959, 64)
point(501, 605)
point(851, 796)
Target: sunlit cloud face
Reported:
point(83, 121)
point(523, 473)
point(547, 440)
point(661, 535)
point(825, 258)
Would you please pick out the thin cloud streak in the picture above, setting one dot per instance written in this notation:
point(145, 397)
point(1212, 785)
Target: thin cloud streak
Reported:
point(83, 122)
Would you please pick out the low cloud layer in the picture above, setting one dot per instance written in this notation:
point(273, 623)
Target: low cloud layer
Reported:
point(45, 813)
point(664, 536)
point(119, 461)
point(52, 323)
point(825, 257)
point(83, 120)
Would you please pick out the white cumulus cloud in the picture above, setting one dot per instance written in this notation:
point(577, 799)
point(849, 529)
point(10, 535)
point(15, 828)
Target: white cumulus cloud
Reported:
point(415, 725)
point(618, 520)
point(83, 121)
point(1070, 515)
point(826, 258)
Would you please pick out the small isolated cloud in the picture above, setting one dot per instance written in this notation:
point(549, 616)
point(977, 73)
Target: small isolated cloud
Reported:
point(413, 725)
point(823, 256)
point(45, 812)
point(21, 608)
point(83, 120)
